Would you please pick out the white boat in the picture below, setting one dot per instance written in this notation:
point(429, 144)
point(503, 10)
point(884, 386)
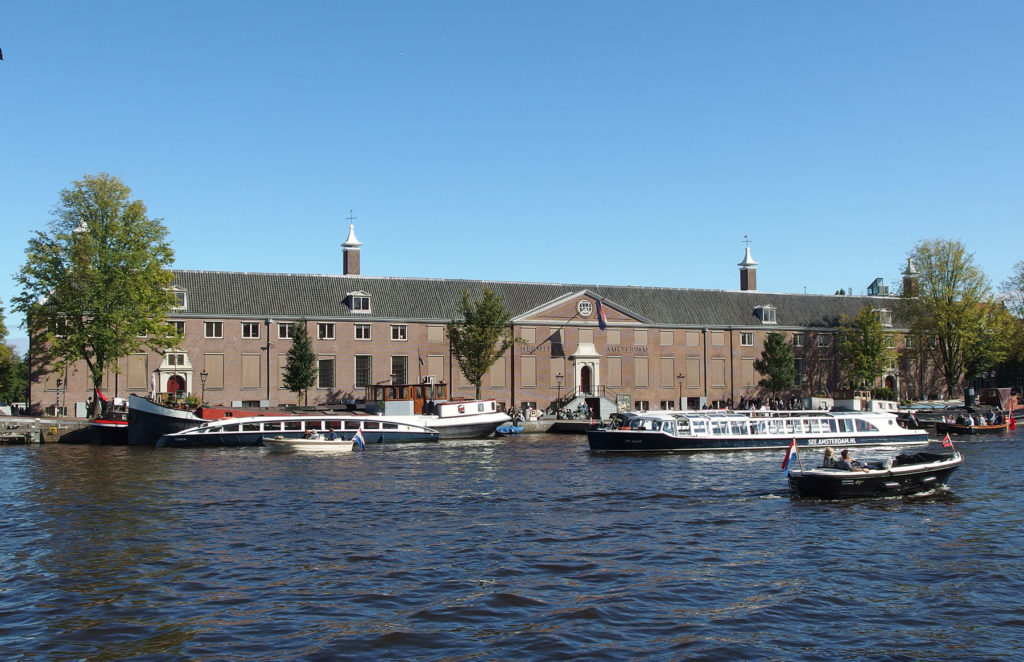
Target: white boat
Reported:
point(315, 442)
point(428, 405)
point(252, 430)
point(750, 430)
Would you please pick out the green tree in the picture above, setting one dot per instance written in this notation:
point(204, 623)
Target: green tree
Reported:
point(300, 364)
point(864, 345)
point(776, 364)
point(96, 286)
point(13, 371)
point(953, 313)
point(482, 337)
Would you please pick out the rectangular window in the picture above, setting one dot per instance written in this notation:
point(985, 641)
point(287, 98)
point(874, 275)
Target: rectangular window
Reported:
point(746, 339)
point(286, 330)
point(824, 340)
point(556, 367)
point(666, 405)
point(250, 329)
point(692, 372)
point(361, 304)
point(798, 340)
point(798, 364)
point(643, 405)
point(213, 329)
point(138, 372)
point(399, 332)
point(586, 335)
point(614, 371)
point(251, 370)
point(213, 364)
point(768, 315)
point(640, 371)
point(325, 373)
point(364, 371)
point(667, 368)
point(400, 369)
point(179, 328)
point(497, 373)
point(667, 338)
point(746, 372)
point(179, 300)
point(528, 364)
point(717, 373)
point(613, 337)
point(692, 338)
point(718, 338)
point(528, 334)
point(361, 331)
point(435, 367)
point(325, 331)
point(640, 337)
point(435, 333)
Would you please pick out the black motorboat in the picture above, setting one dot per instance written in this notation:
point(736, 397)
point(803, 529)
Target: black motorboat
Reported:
point(910, 472)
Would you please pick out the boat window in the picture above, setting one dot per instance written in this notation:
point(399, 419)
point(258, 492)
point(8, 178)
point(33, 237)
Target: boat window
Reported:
point(789, 426)
point(865, 426)
point(669, 427)
point(250, 427)
point(293, 425)
point(314, 425)
point(845, 425)
point(333, 425)
point(655, 425)
point(831, 425)
point(419, 392)
point(719, 427)
point(371, 425)
point(759, 427)
point(389, 426)
point(739, 427)
point(230, 428)
point(272, 426)
point(699, 426)
point(351, 425)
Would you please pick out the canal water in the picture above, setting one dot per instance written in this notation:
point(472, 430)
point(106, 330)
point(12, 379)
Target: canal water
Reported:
point(523, 549)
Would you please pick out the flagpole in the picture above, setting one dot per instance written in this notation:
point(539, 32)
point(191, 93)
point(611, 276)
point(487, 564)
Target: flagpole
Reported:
point(796, 451)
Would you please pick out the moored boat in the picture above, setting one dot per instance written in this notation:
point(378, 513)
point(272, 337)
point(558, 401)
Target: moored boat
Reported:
point(316, 442)
point(971, 429)
point(428, 405)
point(250, 431)
point(751, 430)
point(911, 472)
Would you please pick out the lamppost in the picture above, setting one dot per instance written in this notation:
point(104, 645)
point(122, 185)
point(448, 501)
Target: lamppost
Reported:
point(681, 377)
point(558, 403)
point(202, 380)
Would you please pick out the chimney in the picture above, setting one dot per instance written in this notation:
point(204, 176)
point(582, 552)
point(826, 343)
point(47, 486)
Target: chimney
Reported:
point(748, 272)
point(350, 258)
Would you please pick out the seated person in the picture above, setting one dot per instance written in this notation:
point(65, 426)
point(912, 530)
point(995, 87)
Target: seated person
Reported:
point(847, 463)
point(830, 458)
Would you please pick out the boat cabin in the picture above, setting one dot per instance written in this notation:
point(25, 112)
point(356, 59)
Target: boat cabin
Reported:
point(422, 396)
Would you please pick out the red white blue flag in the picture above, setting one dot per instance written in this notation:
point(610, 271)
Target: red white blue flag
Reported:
point(602, 321)
point(357, 438)
point(790, 454)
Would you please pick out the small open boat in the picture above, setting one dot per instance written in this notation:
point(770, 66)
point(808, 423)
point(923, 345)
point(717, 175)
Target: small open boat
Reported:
point(910, 472)
point(316, 442)
point(507, 429)
point(963, 428)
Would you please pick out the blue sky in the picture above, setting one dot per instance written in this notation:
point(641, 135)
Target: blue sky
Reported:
point(594, 142)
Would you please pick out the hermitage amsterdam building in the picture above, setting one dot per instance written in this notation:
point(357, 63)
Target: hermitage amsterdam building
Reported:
point(656, 348)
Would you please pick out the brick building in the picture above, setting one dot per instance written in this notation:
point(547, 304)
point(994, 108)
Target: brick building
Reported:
point(658, 344)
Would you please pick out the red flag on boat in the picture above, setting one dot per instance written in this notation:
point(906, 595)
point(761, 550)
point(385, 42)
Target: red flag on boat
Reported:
point(946, 442)
point(99, 395)
point(1013, 421)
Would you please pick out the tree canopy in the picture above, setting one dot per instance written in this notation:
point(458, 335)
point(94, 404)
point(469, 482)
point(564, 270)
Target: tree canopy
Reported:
point(96, 286)
point(959, 324)
point(300, 370)
point(865, 347)
point(13, 371)
point(481, 337)
point(776, 364)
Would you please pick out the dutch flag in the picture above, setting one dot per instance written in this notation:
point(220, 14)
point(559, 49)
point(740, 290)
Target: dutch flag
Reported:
point(357, 438)
point(790, 454)
point(602, 321)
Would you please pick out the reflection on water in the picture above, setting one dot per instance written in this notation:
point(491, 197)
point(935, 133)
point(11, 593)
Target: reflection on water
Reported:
point(527, 548)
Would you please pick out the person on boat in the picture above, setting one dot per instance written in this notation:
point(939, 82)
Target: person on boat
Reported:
point(331, 435)
point(847, 463)
point(830, 458)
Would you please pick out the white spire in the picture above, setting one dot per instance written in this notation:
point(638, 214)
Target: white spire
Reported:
point(351, 242)
point(747, 260)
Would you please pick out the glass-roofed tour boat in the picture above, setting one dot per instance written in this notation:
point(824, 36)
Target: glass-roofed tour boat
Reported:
point(750, 430)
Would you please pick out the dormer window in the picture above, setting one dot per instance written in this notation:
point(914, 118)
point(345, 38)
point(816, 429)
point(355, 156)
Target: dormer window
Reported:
point(766, 314)
point(359, 302)
point(883, 316)
point(179, 300)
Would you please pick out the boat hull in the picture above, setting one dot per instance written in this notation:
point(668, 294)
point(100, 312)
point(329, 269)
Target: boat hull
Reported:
point(956, 428)
point(148, 421)
point(629, 441)
point(898, 481)
point(289, 445)
point(256, 438)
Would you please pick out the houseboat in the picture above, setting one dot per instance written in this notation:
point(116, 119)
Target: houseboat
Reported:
point(751, 430)
point(250, 431)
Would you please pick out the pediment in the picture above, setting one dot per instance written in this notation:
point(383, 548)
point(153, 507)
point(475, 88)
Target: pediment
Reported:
point(580, 307)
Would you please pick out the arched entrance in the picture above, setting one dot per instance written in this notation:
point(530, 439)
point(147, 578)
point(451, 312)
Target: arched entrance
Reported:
point(585, 380)
point(175, 383)
point(890, 382)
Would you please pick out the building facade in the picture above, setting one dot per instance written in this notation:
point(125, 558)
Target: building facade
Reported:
point(655, 348)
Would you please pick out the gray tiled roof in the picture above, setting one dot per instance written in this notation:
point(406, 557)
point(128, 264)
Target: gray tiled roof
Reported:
point(324, 297)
